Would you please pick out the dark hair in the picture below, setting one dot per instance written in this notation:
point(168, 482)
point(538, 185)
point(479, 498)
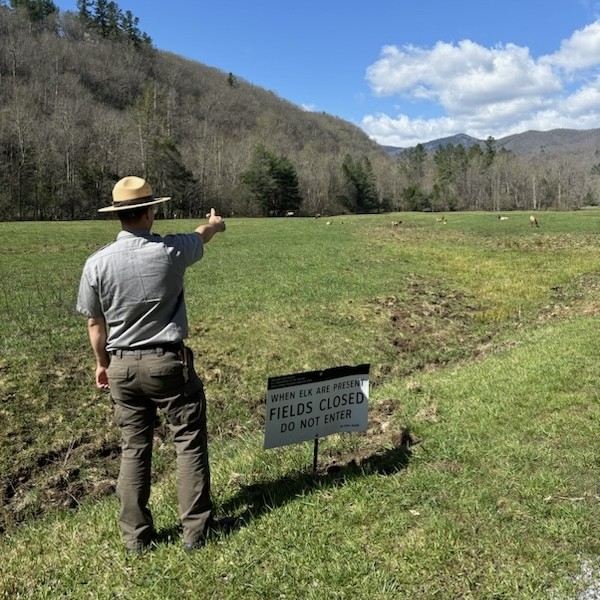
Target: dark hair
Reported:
point(132, 214)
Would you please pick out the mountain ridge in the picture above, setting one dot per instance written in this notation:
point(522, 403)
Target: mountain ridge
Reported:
point(529, 143)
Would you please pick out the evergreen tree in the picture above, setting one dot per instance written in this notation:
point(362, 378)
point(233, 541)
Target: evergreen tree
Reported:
point(129, 28)
point(415, 199)
point(83, 10)
point(170, 176)
point(273, 182)
point(232, 80)
point(37, 10)
point(363, 196)
point(286, 179)
point(490, 151)
point(113, 19)
point(100, 17)
point(106, 18)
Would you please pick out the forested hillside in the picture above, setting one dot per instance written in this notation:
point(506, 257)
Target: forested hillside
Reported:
point(85, 99)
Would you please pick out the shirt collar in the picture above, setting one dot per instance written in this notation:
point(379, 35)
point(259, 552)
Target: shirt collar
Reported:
point(134, 233)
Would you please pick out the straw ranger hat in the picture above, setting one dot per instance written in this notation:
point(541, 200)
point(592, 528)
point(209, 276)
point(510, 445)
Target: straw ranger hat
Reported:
point(132, 192)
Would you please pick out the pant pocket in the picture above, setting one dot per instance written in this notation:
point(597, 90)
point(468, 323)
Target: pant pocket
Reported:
point(188, 409)
point(163, 377)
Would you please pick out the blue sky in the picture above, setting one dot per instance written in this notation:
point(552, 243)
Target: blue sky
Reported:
point(404, 71)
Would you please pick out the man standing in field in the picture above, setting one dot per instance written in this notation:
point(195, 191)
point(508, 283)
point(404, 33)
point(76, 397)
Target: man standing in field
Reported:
point(132, 293)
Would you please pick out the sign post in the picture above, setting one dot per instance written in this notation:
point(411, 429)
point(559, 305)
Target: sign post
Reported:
point(314, 404)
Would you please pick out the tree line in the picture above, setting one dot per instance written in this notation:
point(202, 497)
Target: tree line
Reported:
point(484, 178)
point(85, 99)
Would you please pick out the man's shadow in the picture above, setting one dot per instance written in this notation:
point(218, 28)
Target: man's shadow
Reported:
point(256, 499)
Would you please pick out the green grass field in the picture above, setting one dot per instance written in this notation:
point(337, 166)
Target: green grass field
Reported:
point(478, 476)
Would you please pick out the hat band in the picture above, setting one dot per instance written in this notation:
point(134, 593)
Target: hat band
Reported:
point(118, 203)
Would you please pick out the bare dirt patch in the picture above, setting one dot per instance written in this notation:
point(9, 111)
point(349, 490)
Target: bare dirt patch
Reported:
point(85, 468)
point(61, 478)
point(429, 327)
point(579, 298)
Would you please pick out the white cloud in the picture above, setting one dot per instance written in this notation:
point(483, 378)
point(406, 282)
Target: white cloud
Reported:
point(460, 76)
point(404, 132)
point(580, 51)
point(584, 101)
point(487, 91)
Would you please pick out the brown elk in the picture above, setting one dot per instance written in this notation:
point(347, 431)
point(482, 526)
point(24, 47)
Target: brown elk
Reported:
point(533, 221)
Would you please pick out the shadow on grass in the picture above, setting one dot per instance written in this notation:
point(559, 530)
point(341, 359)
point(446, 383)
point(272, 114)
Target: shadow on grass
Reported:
point(256, 499)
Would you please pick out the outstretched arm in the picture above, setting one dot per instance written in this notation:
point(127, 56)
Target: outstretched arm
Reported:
point(214, 225)
point(97, 333)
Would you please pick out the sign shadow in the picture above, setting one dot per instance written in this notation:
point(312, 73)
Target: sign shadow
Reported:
point(256, 499)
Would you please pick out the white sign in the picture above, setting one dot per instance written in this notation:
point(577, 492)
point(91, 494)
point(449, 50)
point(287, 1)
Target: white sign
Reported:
point(310, 405)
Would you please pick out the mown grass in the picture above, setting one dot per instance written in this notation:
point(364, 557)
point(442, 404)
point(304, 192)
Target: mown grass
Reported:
point(478, 477)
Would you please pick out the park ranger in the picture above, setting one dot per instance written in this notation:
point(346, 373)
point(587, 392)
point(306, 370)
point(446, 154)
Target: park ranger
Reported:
point(132, 293)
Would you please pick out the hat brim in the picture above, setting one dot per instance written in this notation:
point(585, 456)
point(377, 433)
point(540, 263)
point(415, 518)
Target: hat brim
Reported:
point(133, 206)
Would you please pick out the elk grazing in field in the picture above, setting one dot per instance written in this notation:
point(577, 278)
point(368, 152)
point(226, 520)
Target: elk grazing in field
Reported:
point(533, 221)
point(396, 223)
point(502, 218)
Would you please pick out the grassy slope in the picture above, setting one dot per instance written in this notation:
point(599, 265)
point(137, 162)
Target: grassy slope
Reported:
point(484, 346)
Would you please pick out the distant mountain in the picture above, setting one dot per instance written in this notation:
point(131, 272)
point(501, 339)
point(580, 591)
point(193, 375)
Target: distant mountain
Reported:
point(556, 141)
point(462, 138)
point(529, 143)
point(454, 140)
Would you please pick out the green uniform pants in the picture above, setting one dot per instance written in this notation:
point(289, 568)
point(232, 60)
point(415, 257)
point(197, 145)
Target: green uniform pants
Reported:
point(142, 382)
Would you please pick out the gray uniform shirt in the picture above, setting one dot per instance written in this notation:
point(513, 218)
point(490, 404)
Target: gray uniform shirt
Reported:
point(136, 285)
